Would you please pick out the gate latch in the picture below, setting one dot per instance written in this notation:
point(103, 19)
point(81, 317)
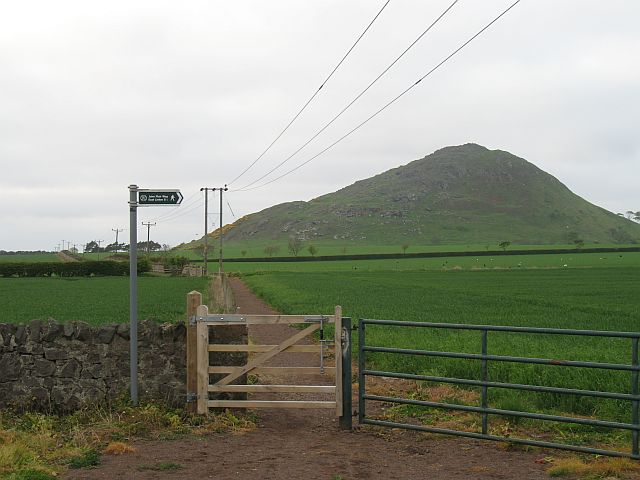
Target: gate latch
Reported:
point(192, 397)
point(323, 343)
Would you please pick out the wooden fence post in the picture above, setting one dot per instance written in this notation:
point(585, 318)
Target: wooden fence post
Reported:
point(202, 362)
point(337, 318)
point(194, 300)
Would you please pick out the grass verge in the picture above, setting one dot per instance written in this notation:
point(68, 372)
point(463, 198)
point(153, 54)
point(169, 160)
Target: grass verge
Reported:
point(40, 446)
point(559, 463)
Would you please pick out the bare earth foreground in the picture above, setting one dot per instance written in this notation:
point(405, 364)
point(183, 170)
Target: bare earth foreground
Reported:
point(307, 444)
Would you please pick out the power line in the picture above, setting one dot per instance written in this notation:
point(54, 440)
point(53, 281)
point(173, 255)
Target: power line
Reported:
point(193, 208)
point(312, 96)
point(357, 97)
point(206, 228)
point(117, 230)
point(179, 212)
point(230, 209)
point(148, 225)
point(175, 210)
point(221, 189)
point(391, 102)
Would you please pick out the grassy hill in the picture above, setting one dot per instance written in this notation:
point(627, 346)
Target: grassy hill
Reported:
point(457, 195)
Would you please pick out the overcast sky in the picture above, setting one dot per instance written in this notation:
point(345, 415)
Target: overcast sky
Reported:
point(95, 96)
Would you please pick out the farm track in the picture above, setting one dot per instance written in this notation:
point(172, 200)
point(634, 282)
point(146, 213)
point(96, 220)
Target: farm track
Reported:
point(64, 258)
point(308, 444)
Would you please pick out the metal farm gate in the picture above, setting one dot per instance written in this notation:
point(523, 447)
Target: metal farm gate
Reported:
point(484, 383)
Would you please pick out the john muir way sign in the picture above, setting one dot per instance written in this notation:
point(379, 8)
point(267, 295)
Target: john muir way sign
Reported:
point(141, 197)
point(159, 197)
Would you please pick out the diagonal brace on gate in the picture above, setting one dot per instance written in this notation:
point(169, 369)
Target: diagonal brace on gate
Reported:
point(259, 360)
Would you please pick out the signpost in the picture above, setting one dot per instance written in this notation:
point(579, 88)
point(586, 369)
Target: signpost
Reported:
point(140, 197)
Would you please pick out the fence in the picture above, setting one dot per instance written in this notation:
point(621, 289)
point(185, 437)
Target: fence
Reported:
point(484, 410)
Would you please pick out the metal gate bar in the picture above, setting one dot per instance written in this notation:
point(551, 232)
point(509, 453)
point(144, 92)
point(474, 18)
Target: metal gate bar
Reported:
point(485, 384)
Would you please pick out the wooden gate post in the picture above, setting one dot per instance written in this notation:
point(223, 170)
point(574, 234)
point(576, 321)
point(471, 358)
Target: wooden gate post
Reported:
point(337, 319)
point(202, 343)
point(344, 350)
point(194, 300)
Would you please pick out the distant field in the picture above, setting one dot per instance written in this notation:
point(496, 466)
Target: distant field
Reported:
point(254, 251)
point(98, 300)
point(36, 257)
point(586, 260)
point(593, 298)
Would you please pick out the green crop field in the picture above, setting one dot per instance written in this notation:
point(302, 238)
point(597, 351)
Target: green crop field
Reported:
point(30, 257)
point(514, 262)
point(583, 298)
point(96, 300)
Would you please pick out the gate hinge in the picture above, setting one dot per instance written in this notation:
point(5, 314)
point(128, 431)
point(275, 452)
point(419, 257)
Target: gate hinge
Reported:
point(192, 397)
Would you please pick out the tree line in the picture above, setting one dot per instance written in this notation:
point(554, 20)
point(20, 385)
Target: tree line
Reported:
point(94, 247)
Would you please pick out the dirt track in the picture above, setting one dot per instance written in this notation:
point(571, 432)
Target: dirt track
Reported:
point(307, 444)
point(65, 258)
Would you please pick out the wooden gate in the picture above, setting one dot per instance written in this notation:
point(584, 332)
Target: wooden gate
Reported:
point(340, 389)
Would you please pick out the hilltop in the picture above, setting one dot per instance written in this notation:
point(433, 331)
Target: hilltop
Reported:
point(456, 195)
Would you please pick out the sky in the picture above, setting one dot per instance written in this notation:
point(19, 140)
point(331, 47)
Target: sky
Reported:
point(96, 96)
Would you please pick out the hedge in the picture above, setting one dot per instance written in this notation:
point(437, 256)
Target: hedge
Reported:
point(70, 269)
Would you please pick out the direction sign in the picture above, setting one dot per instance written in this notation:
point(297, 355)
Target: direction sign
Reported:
point(159, 197)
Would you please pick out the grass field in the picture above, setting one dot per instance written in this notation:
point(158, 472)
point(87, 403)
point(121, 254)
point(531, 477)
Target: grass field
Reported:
point(589, 298)
point(597, 260)
point(97, 300)
point(30, 257)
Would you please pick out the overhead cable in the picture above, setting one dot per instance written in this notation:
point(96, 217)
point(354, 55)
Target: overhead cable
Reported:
point(184, 212)
point(356, 98)
point(187, 202)
point(391, 102)
point(312, 96)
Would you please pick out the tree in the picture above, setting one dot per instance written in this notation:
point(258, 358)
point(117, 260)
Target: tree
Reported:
point(579, 243)
point(114, 247)
point(243, 253)
point(93, 247)
point(312, 250)
point(504, 245)
point(404, 247)
point(295, 245)
point(271, 250)
point(153, 246)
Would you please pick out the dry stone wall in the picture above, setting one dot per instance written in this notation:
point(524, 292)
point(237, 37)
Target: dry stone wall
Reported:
point(49, 366)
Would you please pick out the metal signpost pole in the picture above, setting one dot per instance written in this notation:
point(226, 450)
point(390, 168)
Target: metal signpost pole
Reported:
point(133, 291)
point(146, 198)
